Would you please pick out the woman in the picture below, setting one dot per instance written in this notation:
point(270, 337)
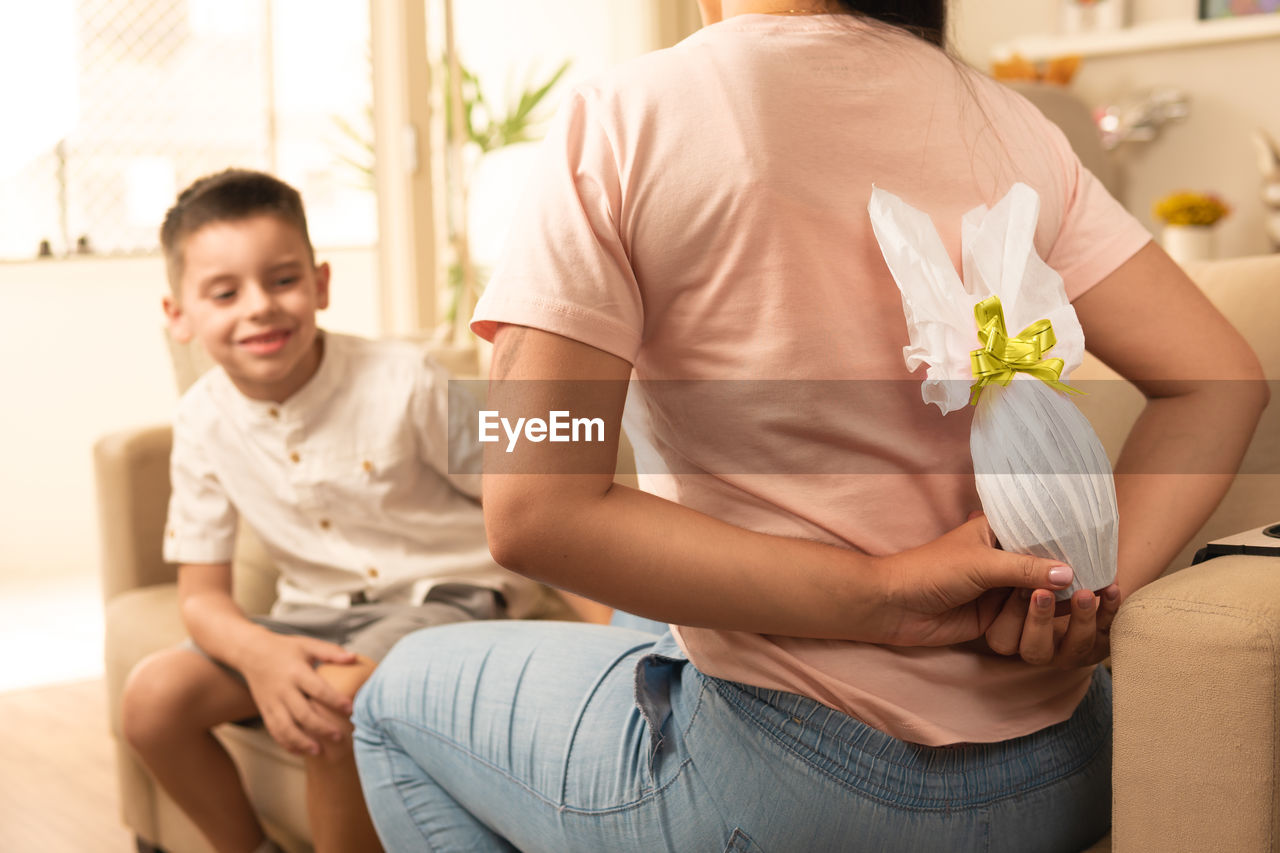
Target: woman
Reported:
point(848, 666)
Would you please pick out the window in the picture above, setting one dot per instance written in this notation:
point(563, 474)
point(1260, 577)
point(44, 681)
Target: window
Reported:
point(127, 101)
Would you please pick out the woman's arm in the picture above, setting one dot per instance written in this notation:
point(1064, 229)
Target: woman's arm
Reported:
point(565, 522)
point(588, 610)
point(1205, 392)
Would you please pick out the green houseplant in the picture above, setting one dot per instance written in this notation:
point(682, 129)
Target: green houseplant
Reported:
point(474, 127)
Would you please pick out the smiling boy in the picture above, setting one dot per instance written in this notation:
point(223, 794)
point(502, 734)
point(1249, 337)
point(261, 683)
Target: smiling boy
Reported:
point(334, 449)
point(264, 337)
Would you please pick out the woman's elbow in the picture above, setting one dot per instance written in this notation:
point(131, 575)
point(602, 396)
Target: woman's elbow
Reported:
point(518, 530)
point(1263, 393)
point(1240, 386)
point(503, 531)
point(1254, 384)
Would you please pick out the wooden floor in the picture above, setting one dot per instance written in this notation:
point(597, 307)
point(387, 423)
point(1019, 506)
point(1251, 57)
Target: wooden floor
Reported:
point(57, 772)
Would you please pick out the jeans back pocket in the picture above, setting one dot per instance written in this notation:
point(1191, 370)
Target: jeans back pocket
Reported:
point(740, 842)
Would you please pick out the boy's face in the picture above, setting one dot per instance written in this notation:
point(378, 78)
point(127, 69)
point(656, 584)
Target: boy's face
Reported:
point(249, 295)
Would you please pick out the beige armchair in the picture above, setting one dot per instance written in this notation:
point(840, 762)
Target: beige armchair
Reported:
point(1197, 671)
point(140, 593)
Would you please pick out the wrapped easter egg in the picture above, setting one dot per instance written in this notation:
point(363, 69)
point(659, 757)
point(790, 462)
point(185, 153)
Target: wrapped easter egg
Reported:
point(1041, 473)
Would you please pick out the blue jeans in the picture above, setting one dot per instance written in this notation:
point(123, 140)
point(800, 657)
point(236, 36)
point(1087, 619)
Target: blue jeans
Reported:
point(545, 736)
point(622, 619)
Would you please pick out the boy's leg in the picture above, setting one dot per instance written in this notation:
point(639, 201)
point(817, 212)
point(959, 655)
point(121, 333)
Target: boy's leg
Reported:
point(335, 803)
point(171, 702)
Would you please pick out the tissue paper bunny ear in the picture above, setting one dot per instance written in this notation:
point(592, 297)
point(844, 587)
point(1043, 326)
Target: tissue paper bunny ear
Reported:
point(938, 311)
point(1000, 258)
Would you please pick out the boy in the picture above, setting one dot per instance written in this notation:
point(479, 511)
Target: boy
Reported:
point(335, 450)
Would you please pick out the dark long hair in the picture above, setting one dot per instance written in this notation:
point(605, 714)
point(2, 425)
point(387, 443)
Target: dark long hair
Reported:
point(925, 18)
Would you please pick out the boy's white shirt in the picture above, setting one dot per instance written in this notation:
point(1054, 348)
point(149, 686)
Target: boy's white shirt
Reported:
point(347, 482)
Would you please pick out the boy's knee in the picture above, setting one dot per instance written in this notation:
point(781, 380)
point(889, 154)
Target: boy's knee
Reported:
point(175, 694)
point(347, 679)
point(152, 701)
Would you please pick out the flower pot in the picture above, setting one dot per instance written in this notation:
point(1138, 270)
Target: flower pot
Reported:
point(1186, 243)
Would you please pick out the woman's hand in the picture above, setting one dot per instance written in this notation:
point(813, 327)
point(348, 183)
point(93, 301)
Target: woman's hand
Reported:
point(1026, 626)
point(952, 590)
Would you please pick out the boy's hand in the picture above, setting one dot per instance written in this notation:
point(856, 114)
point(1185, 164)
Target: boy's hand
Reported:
point(1026, 626)
point(288, 691)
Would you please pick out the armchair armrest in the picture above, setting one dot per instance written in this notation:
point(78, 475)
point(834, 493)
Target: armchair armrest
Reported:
point(1196, 658)
point(131, 470)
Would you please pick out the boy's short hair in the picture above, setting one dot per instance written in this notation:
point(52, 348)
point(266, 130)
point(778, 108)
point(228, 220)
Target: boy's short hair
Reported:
point(227, 196)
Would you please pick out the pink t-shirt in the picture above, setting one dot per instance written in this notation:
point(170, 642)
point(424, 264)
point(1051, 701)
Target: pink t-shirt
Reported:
point(702, 213)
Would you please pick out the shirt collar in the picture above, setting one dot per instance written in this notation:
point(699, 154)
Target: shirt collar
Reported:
point(304, 402)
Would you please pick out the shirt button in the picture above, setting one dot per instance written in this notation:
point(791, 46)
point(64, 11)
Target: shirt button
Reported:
point(367, 466)
point(274, 412)
point(294, 457)
point(324, 524)
point(372, 572)
point(172, 534)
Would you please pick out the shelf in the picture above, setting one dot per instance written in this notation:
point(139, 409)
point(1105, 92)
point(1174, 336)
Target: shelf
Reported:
point(1141, 38)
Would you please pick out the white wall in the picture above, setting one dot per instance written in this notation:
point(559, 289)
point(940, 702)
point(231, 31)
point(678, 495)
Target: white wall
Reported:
point(1232, 90)
point(82, 353)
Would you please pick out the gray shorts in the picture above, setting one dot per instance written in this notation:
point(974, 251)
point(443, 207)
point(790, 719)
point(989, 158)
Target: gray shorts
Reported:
point(371, 628)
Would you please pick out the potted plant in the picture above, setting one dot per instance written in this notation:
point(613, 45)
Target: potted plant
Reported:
point(473, 129)
point(473, 126)
point(1189, 222)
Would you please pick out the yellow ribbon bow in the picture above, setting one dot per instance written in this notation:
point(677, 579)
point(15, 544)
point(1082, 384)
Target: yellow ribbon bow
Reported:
point(1002, 356)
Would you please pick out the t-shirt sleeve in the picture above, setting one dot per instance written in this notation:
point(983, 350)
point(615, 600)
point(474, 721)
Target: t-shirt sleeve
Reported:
point(565, 268)
point(445, 415)
point(1097, 234)
point(202, 520)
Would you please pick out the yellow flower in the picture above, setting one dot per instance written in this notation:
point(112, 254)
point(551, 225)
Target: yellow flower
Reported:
point(1189, 208)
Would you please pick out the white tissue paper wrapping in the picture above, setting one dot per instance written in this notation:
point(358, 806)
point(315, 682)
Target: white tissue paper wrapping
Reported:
point(1042, 475)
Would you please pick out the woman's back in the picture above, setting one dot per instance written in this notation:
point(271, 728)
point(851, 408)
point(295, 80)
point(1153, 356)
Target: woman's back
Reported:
point(699, 219)
point(715, 233)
